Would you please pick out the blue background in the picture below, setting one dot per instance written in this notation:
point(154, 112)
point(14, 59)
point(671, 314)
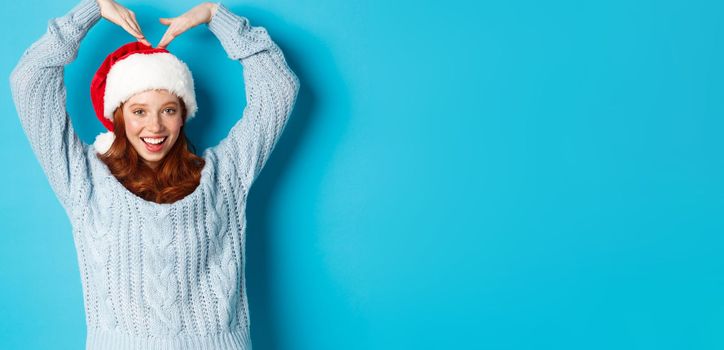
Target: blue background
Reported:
point(503, 175)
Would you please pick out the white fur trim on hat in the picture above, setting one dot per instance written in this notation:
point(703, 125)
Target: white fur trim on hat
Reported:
point(142, 72)
point(104, 141)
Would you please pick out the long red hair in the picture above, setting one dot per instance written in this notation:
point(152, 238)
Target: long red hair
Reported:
point(178, 174)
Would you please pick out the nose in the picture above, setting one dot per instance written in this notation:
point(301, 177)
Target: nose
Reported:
point(154, 123)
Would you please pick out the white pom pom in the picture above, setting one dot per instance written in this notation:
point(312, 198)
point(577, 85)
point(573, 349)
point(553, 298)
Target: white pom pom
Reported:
point(104, 141)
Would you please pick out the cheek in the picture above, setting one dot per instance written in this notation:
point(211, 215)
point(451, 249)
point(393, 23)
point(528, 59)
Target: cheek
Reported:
point(132, 126)
point(175, 126)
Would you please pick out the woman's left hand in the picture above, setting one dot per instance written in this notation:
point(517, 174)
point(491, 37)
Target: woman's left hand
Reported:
point(202, 13)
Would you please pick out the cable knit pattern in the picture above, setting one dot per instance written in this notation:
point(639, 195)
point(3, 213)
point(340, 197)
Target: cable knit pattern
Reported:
point(99, 243)
point(157, 276)
point(159, 263)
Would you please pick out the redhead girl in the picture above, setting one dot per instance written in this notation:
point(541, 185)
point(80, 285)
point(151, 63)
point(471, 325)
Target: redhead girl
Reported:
point(159, 231)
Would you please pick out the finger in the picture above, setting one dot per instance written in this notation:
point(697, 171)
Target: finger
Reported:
point(138, 29)
point(135, 33)
point(134, 22)
point(166, 39)
point(131, 29)
point(167, 36)
point(138, 34)
point(176, 29)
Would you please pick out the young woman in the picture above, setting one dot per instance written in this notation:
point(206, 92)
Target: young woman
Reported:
point(159, 232)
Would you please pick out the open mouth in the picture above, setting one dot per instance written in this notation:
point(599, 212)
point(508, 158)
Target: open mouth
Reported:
point(154, 141)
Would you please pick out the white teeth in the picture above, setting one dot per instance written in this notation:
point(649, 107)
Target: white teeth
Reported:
point(153, 140)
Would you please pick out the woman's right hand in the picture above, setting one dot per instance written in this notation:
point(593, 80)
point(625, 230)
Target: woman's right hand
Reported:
point(123, 17)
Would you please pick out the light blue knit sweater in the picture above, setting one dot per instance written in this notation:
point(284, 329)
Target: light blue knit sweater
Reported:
point(157, 276)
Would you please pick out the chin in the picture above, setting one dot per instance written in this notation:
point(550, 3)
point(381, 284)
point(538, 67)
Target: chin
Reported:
point(152, 159)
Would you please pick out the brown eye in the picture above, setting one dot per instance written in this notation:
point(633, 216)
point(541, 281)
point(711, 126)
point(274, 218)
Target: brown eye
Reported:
point(170, 110)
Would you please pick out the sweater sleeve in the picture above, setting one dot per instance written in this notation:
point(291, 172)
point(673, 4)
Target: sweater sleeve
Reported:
point(271, 92)
point(39, 93)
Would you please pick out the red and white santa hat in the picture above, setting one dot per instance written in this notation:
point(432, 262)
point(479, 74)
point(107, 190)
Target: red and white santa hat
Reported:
point(133, 68)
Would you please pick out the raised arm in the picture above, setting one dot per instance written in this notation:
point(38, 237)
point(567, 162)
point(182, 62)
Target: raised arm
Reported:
point(271, 92)
point(39, 94)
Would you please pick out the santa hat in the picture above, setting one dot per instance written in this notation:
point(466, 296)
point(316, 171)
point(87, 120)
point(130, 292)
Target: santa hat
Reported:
point(133, 68)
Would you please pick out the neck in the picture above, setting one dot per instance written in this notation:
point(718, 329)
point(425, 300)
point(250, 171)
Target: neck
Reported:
point(152, 165)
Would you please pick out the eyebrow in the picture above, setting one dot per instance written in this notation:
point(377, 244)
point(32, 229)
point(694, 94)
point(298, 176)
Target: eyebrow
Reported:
point(144, 104)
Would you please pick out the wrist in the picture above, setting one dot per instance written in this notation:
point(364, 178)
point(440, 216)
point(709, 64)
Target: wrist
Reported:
point(213, 7)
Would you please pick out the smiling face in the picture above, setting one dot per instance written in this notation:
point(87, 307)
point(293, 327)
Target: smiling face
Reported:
point(151, 117)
